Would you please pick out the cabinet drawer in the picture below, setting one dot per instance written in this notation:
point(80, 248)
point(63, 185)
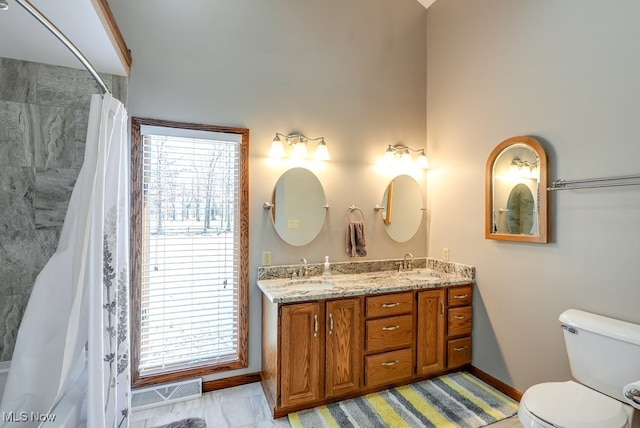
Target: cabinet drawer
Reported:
point(459, 352)
point(390, 332)
point(389, 304)
point(459, 296)
point(388, 367)
point(459, 321)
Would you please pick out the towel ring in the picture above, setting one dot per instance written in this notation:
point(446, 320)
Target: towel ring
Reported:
point(352, 209)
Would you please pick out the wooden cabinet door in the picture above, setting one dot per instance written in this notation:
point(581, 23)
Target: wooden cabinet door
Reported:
point(343, 346)
point(430, 340)
point(300, 350)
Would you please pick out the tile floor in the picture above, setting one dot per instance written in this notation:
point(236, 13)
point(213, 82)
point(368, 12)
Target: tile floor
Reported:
point(239, 407)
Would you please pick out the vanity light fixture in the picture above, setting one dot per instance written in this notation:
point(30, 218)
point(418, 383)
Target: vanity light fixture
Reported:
point(400, 155)
point(518, 166)
point(298, 143)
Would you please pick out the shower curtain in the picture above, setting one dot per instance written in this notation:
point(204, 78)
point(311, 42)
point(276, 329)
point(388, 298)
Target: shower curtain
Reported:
point(76, 325)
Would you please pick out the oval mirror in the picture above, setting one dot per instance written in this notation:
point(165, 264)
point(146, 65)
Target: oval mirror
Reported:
point(402, 208)
point(516, 191)
point(520, 209)
point(299, 206)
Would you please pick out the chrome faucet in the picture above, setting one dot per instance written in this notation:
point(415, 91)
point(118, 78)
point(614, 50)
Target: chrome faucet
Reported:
point(408, 265)
point(302, 265)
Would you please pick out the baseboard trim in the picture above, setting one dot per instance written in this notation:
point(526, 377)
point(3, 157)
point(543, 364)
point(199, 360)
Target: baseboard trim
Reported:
point(496, 383)
point(213, 385)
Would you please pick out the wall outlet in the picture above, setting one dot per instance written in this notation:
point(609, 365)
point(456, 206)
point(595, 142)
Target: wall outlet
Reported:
point(445, 253)
point(266, 258)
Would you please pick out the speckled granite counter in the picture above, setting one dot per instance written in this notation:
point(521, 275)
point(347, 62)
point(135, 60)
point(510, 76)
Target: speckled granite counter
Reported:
point(360, 278)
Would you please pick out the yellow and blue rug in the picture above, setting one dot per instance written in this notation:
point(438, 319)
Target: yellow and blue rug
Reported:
point(453, 400)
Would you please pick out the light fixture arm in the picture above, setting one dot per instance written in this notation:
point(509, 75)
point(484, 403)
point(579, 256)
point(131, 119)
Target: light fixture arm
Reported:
point(401, 152)
point(401, 148)
point(299, 143)
point(520, 163)
point(300, 137)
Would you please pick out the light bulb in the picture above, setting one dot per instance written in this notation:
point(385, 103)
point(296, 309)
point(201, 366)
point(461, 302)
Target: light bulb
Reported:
point(389, 156)
point(277, 149)
point(322, 152)
point(422, 161)
point(405, 159)
point(514, 168)
point(299, 150)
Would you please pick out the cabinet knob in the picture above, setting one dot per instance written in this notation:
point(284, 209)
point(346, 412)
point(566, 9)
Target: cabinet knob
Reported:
point(391, 328)
point(460, 349)
point(390, 363)
point(459, 317)
point(460, 296)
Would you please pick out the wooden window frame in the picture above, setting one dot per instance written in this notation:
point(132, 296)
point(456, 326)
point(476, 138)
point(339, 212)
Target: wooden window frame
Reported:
point(138, 380)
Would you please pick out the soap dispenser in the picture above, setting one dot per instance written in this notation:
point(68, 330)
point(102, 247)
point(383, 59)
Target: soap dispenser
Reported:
point(326, 273)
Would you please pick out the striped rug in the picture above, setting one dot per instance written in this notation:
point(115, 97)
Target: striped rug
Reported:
point(453, 400)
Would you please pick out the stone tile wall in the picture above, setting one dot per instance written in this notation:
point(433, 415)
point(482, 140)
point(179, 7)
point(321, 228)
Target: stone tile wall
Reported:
point(43, 123)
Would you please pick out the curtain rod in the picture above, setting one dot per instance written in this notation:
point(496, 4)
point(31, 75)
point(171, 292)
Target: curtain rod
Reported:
point(589, 183)
point(65, 40)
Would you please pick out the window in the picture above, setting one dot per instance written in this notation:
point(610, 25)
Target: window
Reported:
point(189, 250)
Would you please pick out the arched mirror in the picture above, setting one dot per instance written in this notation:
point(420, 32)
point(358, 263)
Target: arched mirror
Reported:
point(402, 208)
point(298, 206)
point(516, 191)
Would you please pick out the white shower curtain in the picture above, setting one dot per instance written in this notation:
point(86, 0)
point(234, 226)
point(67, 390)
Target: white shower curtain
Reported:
point(76, 325)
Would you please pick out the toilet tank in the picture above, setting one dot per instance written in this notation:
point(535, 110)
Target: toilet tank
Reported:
point(604, 353)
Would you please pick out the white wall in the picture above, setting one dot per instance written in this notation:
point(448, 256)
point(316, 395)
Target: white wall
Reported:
point(351, 71)
point(565, 72)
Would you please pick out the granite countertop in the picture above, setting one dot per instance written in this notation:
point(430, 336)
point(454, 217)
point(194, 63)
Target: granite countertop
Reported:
point(286, 290)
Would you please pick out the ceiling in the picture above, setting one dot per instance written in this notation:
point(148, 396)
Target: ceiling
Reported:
point(82, 21)
point(426, 3)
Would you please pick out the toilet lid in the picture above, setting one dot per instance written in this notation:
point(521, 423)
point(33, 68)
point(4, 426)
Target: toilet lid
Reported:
point(570, 404)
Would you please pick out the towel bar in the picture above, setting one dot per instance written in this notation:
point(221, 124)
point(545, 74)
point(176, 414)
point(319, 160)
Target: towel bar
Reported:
point(588, 183)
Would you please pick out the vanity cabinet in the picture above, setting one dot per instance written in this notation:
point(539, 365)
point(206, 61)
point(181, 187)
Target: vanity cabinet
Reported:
point(300, 353)
point(319, 351)
point(459, 318)
point(343, 346)
point(389, 329)
point(430, 352)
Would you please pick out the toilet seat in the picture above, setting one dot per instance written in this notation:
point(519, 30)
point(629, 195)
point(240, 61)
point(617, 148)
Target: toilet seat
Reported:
point(570, 405)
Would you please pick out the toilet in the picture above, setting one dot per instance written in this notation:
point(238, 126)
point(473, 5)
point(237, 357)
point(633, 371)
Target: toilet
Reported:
point(604, 355)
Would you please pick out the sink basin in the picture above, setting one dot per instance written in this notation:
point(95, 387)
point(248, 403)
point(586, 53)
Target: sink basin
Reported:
point(420, 276)
point(310, 284)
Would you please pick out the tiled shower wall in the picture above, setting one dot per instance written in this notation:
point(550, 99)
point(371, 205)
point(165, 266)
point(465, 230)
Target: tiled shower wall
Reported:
point(43, 123)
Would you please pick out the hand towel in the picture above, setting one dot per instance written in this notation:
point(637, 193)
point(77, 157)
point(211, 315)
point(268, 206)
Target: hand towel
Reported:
point(356, 242)
point(631, 393)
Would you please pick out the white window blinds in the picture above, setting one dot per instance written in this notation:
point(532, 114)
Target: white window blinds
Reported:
point(190, 260)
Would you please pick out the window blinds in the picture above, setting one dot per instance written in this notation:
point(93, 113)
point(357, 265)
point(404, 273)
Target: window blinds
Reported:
point(189, 290)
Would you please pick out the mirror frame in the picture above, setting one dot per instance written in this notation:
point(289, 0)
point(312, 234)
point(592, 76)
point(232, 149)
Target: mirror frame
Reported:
point(542, 196)
point(386, 214)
